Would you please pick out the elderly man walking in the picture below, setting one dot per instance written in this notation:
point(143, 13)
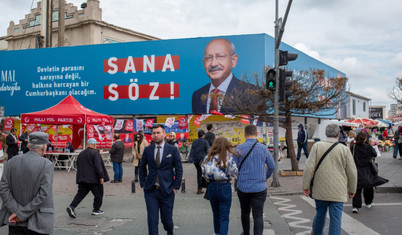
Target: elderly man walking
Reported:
point(332, 171)
point(26, 190)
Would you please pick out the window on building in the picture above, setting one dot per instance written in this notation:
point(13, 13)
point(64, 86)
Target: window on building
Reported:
point(354, 107)
point(364, 106)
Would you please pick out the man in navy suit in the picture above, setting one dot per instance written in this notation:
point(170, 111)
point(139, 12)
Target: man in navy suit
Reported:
point(162, 180)
point(220, 95)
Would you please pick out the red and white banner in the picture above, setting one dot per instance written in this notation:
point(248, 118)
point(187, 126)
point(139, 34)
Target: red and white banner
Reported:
point(245, 119)
point(182, 122)
point(170, 122)
point(8, 124)
point(197, 121)
point(90, 131)
point(119, 124)
point(149, 123)
point(129, 125)
point(60, 141)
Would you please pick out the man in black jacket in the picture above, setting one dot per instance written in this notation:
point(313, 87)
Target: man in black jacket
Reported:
point(210, 136)
point(116, 156)
point(199, 149)
point(91, 174)
point(12, 144)
point(24, 140)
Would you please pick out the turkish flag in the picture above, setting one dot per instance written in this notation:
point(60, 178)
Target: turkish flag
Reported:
point(182, 122)
point(78, 135)
point(129, 125)
point(245, 119)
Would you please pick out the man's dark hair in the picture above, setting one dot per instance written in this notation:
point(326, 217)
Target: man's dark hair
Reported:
point(209, 127)
point(250, 130)
point(157, 126)
point(116, 136)
point(201, 133)
point(13, 129)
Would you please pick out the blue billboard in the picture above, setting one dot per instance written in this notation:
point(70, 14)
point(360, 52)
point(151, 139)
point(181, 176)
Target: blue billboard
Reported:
point(152, 77)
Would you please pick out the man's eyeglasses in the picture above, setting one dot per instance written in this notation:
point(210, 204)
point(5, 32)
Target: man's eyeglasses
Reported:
point(218, 57)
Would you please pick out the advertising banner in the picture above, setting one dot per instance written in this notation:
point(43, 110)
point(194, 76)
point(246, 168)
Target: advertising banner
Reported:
point(176, 76)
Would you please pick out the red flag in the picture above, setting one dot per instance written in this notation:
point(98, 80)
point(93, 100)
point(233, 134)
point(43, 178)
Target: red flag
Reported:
point(197, 121)
point(8, 124)
point(182, 122)
point(90, 131)
point(129, 125)
point(149, 122)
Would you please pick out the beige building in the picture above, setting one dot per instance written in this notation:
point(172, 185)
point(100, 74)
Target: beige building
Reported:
point(82, 27)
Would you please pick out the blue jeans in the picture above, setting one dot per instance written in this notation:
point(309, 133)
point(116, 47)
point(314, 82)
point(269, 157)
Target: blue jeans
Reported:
point(335, 216)
point(299, 148)
point(395, 150)
point(118, 170)
point(220, 197)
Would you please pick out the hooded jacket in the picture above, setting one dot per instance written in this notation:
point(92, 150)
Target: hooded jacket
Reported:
point(302, 135)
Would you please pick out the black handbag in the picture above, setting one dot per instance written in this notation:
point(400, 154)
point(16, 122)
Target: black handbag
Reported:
point(318, 165)
point(374, 167)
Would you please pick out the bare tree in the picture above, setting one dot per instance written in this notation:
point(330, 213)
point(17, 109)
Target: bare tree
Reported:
point(396, 91)
point(312, 93)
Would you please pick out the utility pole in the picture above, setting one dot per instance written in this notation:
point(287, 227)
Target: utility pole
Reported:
point(46, 24)
point(60, 41)
point(279, 29)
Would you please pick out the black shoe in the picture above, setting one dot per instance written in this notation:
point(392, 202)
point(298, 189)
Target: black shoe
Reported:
point(97, 212)
point(71, 212)
point(119, 181)
point(136, 180)
point(114, 181)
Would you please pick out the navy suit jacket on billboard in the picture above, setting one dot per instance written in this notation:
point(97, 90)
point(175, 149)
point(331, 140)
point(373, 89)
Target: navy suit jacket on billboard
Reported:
point(170, 170)
point(236, 90)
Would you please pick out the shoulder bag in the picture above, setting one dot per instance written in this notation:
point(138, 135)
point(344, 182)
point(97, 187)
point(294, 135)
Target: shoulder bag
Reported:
point(318, 165)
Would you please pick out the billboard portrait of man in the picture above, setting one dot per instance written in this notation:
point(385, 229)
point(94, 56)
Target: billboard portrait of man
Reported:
point(219, 59)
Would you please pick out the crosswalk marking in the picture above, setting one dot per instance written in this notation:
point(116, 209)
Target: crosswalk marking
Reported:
point(350, 225)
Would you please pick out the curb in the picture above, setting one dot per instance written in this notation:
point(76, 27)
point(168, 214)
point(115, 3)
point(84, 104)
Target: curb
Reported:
point(394, 189)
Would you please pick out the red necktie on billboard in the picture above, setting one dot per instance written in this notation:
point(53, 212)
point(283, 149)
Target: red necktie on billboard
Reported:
point(213, 105)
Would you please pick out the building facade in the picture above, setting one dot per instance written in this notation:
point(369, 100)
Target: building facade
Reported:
point(82, 27)
point(357, 106)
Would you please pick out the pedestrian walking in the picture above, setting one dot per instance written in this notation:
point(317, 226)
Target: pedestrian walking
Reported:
point(364, 155)
point(333, 171)
point(255, 166)
point(210, 136)
point(396, 140)
point(138, 149)
point(302, 138)
point(161, 181)
point(219, 168)
point(26, 190)
point(116, 156)
point(199, 149)
point(12, 144)
point(24, 140)
point(91, 174)
point(343, 137)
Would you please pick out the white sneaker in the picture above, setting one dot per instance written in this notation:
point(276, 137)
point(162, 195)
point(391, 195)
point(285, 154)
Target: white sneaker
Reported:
point(355, 210)
point(369, 205)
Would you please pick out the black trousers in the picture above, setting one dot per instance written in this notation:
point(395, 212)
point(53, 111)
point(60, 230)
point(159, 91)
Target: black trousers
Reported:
point(368, 194)
point(136, 170)
point(16, 230)
point(83, 190)
point(254, 202)
point(199, 174)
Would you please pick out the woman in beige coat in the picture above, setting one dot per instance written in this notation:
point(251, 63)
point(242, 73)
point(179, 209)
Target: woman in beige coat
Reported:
point(138, 149)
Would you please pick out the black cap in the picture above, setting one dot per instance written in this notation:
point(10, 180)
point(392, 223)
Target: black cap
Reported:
point(38, 138)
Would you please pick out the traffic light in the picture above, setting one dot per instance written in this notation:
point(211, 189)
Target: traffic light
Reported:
point(270, 82)
point(285, 83)
point(285, 57)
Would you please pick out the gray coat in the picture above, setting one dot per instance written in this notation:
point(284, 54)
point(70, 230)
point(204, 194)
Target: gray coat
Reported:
point(26, 189)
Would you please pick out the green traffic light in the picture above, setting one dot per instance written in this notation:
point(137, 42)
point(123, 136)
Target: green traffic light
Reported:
point(271, 84)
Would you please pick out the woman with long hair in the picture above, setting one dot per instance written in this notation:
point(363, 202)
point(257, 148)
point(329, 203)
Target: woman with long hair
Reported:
point(219, 168)
point(364, 154)
point(138, 149)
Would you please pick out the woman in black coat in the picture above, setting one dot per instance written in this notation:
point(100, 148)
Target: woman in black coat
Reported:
point(363, 154)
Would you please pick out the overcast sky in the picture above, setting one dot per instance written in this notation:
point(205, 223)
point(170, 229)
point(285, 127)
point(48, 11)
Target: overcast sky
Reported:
point(362, 38)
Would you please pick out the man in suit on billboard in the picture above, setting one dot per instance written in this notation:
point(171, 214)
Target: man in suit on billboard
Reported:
point(219, 59)
point(162, 180)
